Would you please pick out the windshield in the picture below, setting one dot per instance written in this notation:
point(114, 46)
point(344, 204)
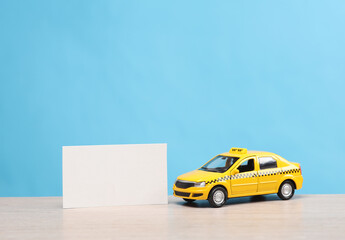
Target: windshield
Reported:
point(219, 164)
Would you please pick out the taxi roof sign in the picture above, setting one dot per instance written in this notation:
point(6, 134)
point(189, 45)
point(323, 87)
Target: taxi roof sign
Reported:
point(238, 150)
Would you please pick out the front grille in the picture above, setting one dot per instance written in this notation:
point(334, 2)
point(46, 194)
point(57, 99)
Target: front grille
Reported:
point(184, 185)
point(182, 194)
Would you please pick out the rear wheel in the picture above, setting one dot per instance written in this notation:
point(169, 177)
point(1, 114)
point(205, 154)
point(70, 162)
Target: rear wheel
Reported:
point(286, 190)
point(189, 200)
point(217, 197)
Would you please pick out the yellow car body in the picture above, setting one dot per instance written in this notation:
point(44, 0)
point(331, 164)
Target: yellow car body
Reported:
point(239, 181)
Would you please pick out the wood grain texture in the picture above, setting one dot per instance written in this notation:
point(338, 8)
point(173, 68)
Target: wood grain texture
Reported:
point(267, 217)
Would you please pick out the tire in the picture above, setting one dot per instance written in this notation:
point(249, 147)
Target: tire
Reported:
point(189, 200)
point(286, 190)
point(217, 197)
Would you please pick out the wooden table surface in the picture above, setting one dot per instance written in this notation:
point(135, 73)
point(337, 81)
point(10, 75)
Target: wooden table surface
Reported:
point(265, 217)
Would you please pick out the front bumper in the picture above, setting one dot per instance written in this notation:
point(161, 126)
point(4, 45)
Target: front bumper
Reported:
point(196, 193)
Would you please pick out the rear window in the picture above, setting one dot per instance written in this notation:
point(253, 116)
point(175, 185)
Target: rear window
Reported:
point(267, 162)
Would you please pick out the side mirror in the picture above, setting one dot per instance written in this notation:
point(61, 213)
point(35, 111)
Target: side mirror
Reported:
point(234, 172)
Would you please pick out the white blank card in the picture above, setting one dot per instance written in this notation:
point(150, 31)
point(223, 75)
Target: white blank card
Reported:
point(112, 175)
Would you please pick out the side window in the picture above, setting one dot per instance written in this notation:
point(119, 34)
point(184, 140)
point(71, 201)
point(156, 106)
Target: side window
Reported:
point(246, 166)
point(267, 162)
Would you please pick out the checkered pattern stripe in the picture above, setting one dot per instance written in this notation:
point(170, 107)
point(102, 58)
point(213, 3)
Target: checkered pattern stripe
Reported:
point(222, 179)
point(251, 174)
point(244, 175)
point(278, 172)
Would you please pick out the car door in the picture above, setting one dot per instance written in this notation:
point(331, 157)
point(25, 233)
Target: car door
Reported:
point(244, 179)
point(268, 174)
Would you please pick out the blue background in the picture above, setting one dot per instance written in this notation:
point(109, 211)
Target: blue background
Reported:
point(202, 76)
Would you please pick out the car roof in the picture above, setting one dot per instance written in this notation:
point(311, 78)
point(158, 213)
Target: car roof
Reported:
point(247, 154)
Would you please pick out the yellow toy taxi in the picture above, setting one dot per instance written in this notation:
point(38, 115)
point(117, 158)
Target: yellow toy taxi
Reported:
point(240, 173)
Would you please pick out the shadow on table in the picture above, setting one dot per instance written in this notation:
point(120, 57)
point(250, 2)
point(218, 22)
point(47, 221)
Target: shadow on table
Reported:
point(234, 201)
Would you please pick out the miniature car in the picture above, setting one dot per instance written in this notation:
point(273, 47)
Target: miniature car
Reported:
point(240, 173)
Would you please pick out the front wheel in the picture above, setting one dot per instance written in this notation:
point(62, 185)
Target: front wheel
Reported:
point(286, 190)
point(217, 197)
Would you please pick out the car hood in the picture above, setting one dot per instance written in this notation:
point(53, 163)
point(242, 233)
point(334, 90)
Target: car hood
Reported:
point(199, 176)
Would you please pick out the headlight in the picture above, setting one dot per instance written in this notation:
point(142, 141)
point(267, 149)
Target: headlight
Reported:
point(199, 184)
